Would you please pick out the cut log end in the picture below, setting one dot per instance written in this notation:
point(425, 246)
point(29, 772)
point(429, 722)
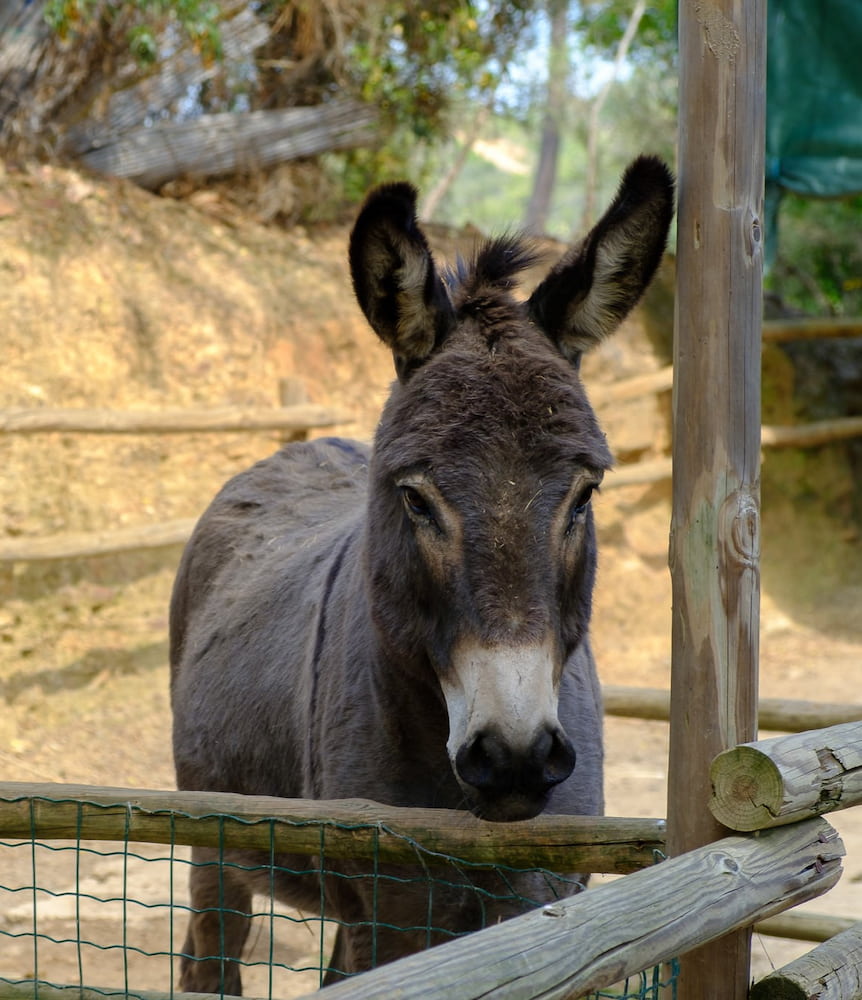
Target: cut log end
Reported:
point(777, 987)
point(747, 789)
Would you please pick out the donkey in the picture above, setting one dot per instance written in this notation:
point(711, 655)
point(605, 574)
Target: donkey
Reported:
point(410, 623)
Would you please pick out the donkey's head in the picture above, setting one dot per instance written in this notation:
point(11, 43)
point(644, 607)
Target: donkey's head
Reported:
point(482, 550)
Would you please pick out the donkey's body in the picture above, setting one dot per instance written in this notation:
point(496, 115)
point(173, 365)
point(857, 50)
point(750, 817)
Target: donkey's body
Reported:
point(411, 624)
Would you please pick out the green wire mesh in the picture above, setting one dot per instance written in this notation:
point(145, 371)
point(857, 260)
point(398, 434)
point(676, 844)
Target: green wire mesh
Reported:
point(103, 919)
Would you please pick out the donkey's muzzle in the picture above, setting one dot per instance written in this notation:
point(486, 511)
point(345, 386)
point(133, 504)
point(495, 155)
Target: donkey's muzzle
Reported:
point(512, 783)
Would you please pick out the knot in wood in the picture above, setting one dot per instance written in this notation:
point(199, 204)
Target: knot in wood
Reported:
point(739, 522)
point(730, 866)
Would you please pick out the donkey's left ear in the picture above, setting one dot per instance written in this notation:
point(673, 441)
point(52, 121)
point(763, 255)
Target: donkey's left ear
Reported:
point(395, 280)
point(592, 289)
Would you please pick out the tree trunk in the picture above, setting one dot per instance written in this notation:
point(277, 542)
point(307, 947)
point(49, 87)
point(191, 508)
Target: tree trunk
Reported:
point(591, 182)
point(538, 209)
point(438, 192)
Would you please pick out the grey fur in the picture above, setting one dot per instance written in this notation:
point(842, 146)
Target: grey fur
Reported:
point(326, 596)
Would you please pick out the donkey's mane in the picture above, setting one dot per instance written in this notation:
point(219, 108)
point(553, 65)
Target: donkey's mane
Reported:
point(493, 265)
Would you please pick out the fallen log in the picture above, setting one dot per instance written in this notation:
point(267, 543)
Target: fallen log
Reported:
point(219, 144)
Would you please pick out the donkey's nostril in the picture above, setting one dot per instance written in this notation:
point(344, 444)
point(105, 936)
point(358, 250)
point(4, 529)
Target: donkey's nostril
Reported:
point(485, 763)
point(558, 755)
point(491, 766)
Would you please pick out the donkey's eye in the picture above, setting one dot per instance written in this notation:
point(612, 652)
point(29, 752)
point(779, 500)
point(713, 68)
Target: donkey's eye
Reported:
point(416, 504)
point(579, 507)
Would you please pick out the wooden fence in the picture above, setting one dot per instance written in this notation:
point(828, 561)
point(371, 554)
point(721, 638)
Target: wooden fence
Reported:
point(297, 419)
point(576, 945)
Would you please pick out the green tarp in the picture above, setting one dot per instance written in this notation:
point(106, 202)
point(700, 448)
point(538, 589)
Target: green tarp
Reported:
point(813, 100)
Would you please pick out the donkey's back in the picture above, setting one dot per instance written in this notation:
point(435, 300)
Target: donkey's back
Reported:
point(250, 586)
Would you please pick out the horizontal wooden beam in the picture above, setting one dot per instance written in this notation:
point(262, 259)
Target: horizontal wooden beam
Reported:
point(660, 380)
point(225, 419)
point(347, 827)
point(33, 989)
point(591, 940)
point(82, 545)
point(29, 989)
point(777, 331)
point(778, 714)
point(781, 780)
point(832, 971)
point(812, 434)
point(654, 470)
point(804, 926)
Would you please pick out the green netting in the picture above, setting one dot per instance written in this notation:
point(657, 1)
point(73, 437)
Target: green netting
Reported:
point(103, 918)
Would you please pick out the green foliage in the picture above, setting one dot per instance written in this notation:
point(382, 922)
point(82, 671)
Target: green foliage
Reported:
point(818, 267)
point(419, 57)
point(602, 23)
point(198, 19)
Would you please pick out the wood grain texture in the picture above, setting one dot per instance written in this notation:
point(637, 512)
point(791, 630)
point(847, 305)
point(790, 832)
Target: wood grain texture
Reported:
point(715, 530)
point(592, 940)
point(832, 971)
point(787, 778)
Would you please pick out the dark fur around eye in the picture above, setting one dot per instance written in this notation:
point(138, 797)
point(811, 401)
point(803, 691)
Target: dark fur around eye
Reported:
point(416, 504)
point(579, 507)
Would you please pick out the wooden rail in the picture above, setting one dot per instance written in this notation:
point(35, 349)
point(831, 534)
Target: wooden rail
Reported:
point(831, 972)
point(619, 928)
point(779, 714)
point(225, 419)
point(80, 545)
point(590, 941)
point(351, 828)
point(781, 780)
point(779, 331)
point(83, 544)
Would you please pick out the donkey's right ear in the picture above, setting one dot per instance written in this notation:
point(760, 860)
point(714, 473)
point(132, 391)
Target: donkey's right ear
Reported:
point(395, 280)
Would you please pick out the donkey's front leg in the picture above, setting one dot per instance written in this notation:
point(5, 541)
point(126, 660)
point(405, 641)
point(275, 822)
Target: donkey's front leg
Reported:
point(218, 928)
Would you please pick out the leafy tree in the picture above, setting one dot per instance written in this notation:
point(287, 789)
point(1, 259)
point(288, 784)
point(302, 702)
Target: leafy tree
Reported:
point(408, 59)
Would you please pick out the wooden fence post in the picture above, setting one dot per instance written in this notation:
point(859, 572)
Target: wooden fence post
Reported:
point(714, 548)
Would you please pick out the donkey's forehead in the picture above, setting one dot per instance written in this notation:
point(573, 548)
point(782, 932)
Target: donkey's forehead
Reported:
point(499, 394)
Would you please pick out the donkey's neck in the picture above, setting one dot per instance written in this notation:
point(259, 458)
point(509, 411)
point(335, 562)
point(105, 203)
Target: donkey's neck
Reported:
point(380, 720)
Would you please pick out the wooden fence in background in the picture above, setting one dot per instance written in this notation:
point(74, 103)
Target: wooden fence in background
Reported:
point(295, 420)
